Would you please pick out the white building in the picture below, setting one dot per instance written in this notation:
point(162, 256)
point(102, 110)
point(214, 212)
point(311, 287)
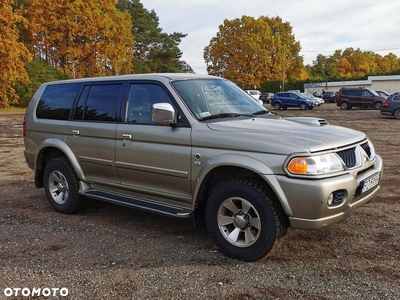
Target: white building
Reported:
point(389, 83)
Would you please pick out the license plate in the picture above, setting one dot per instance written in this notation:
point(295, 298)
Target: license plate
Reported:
point(370, 182)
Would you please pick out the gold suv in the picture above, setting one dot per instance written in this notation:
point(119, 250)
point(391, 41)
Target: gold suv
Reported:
point(196, 146)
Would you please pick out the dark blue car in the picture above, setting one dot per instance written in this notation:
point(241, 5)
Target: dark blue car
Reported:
point(391, 106)
point(291, 99)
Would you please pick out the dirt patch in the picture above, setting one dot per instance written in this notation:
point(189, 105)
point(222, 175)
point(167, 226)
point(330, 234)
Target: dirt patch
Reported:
point(110, 252)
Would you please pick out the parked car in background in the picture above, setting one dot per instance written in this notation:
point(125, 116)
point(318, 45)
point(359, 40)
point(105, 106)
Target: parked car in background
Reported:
point(358, 97)
point(291, 99)
point(391, 106)
point(318, 100)
point(384, 94)
point(254, 93)
point(329, 97)
point(266, 97)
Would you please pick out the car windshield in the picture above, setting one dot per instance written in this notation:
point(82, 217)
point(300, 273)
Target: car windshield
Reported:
point(307, 95)
point(217, 98)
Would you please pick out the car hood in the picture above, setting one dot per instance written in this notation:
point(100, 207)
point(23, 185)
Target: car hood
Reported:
point(283, 136)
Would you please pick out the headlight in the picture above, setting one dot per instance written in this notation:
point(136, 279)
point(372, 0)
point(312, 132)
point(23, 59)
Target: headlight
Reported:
point(315, 165)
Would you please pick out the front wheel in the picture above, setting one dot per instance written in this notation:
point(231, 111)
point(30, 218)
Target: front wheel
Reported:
point(303, 106)
point(245, 219)
point(61, 186)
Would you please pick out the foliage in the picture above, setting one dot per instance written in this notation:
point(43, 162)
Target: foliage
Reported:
point(351, 64)
point(251, 52)
point(13, 53)
point(39, 72)
point(83, 38)
point(154, 51)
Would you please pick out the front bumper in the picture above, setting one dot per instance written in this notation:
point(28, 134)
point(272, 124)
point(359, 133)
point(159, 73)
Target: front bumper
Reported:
point(306, 201)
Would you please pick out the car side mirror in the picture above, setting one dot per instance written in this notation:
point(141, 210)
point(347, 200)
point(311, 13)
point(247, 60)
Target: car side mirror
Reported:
point(163, 114)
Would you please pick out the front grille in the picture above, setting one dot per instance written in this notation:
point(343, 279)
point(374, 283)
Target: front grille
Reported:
point(367, 149)
point(348, 156)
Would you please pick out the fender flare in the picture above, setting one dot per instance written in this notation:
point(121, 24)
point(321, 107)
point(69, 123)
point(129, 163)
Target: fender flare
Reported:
point(64, 148)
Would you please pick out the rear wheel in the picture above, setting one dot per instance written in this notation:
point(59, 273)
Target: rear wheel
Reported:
point(378, 105)
point(61, 186)
point(396, 113)
point(245, 220)
point(277, 106)
point(344, 105)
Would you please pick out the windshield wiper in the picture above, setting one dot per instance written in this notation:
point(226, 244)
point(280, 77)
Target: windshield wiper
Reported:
point(224, 115)
point(260, 112)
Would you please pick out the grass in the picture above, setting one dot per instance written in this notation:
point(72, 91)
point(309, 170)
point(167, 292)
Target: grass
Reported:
point(12, 110)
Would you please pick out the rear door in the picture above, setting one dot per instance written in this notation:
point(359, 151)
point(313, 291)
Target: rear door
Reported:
point(91, 132)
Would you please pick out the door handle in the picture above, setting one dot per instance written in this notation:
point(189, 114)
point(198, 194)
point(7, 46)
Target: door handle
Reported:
point(127, 136)
point(75, 132)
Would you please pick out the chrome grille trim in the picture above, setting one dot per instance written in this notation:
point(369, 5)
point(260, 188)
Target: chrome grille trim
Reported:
point(352, 157)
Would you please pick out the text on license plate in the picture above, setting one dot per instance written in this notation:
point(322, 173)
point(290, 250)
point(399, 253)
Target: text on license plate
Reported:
point(370, 182)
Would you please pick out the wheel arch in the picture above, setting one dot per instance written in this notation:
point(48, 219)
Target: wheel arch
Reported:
point(50, 149)
point(223, 168)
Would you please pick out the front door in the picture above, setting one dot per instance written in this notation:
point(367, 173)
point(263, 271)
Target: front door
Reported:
point(153, 161)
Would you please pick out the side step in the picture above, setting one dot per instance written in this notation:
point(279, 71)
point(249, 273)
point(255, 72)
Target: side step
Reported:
point(138, 204)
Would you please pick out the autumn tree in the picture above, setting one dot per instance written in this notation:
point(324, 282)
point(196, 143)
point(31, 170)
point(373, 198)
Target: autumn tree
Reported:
point(351, 63)
point(83, 38)
point(13, 53)
point(154, 51)
point(252, 51)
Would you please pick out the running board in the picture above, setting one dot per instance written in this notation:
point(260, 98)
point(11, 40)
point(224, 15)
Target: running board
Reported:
point(139, 204)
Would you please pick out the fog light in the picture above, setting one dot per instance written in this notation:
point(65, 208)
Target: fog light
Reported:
point(330, 199)
point(337, 198)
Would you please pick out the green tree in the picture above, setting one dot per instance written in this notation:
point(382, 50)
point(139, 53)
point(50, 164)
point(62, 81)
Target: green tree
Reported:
point(13, 53)
point(154, 51)
point(251, 52)
point(82, 38)
point(39, 72)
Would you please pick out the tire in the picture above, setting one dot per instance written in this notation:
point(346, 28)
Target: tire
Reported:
point(61, 186)
point(378, 105)
point(344, 105)
point(244, 220)
point(303, 106)
point(396, 113)
point(277, 106)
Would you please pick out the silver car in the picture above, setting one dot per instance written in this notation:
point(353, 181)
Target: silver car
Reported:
point(196, 146)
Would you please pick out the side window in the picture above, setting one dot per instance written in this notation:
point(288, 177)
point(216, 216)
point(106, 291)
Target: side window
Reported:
point(354, 93)
point(140, 101)
point(366, 93)
point(98, 102)
point(345, 92)
point(56, 101)
point(396, 98)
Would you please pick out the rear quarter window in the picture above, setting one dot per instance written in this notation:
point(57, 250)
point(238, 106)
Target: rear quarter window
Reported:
point(56, 101)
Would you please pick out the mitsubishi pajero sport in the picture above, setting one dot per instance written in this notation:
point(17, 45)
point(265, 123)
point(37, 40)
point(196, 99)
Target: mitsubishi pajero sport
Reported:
point(196, 146)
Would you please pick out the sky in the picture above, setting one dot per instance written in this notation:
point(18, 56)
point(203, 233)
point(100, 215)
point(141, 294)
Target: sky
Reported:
point(321, 26)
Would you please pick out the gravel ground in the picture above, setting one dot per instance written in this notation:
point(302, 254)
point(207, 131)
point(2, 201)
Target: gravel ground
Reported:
point(110, 252)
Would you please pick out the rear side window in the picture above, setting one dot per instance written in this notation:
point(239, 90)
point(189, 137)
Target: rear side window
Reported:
point(56, 101)
point(99, 102)
point(351, 92)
